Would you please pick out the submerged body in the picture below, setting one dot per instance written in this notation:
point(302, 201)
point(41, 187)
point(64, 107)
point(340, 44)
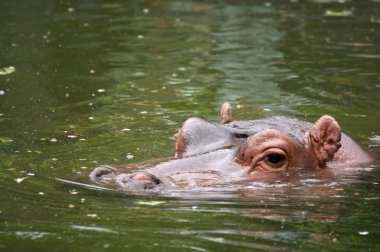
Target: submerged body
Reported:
point(257, 150)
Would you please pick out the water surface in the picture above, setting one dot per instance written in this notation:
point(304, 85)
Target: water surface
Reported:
point(122, 77)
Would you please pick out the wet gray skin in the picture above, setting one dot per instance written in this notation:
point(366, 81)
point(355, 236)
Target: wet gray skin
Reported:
point(210, 158)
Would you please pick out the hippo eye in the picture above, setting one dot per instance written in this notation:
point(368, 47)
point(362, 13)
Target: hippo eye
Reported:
point(275, 160)
point(270, 160)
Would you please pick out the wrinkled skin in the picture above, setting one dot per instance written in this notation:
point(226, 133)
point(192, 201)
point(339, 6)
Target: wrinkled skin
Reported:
point(259, 150)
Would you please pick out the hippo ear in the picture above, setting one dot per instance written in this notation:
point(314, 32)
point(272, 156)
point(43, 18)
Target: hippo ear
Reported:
point(325, 139)
point(180, 145)
point(226, 113)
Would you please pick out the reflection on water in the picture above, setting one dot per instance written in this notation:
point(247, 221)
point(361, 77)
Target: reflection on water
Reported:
point(100, 82)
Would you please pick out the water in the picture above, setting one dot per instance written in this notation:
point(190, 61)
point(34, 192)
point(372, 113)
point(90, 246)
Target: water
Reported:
point(122, 77)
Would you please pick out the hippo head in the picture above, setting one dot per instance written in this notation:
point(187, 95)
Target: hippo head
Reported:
point(267, 145)
point(240, 150)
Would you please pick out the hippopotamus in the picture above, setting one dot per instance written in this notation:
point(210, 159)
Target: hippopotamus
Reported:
point(232, 151)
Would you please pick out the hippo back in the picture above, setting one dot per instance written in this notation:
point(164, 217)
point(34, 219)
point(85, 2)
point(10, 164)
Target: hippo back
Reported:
point(290, 126)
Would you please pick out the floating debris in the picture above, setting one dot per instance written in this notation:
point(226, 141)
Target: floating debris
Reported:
point(32, 235)
point(375, 138)
point(150, 203)
point(100, 90)
point(7, 70)
point(363, 232)
point(54, 140)
point(91, 118)
point(130, 156)
point(139, 74)
point(2, 92)
point(92, 215)
point(97, 229)
point(72, 133)
point(343, 13)
point(41, 193)
point(5, 140)
point(74, 192)
point(126, 129)
point(19, 180)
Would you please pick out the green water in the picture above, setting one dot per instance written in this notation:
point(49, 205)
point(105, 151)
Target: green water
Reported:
point(126, 74)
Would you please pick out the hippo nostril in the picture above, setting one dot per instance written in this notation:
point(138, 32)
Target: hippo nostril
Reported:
point(139, 181)
point(146, 176)
point(101, 171)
